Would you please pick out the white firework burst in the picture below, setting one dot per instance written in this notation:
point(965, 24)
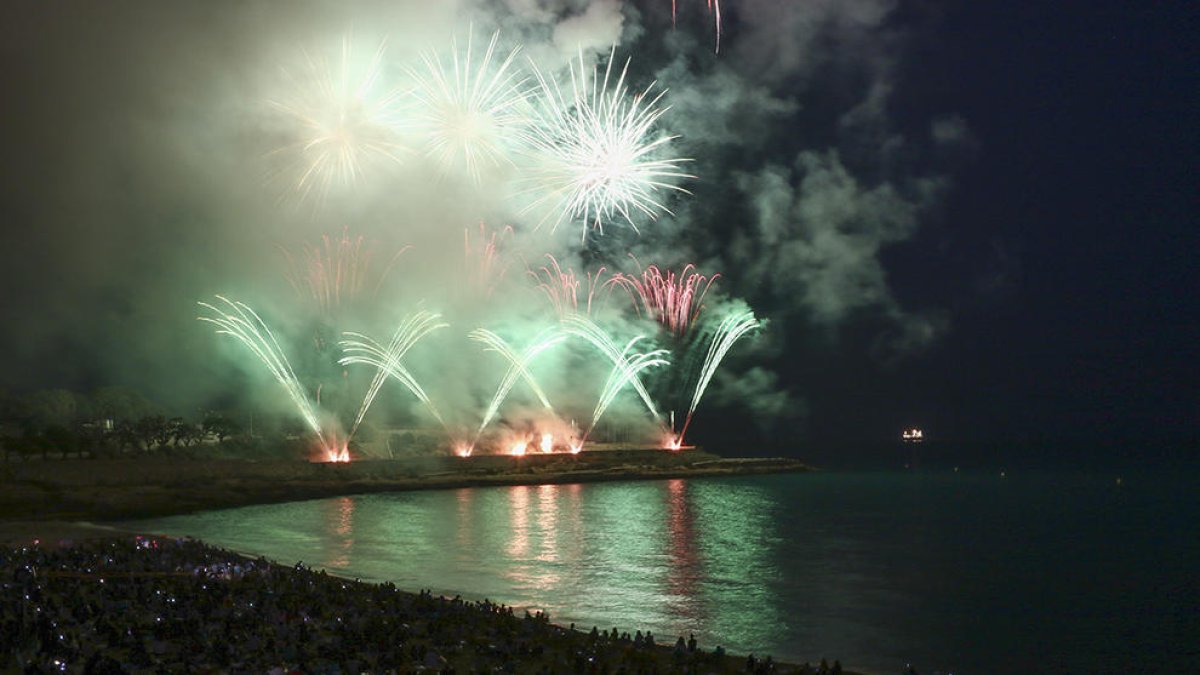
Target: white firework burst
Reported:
point(345, 122)
point(472, 109)
point(597, 152)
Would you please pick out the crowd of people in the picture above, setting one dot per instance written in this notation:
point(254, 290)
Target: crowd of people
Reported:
point(164, 605)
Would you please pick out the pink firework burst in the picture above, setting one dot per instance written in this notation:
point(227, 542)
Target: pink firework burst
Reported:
point(484, 268)
point(337, 270)
point(673, 300)
point(562, 287)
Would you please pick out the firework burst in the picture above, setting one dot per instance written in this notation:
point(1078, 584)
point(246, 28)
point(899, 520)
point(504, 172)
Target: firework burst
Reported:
point(596, 154)
point(483, 266)
point(561, 288)
point(673, 300)
point(345, 122)
point(337, 270)
point(471, 113)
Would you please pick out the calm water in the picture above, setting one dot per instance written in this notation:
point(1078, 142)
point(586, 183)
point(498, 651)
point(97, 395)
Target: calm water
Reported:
point(965, 572)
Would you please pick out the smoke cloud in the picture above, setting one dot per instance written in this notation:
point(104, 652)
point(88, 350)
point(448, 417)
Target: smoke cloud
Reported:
point(142, 173)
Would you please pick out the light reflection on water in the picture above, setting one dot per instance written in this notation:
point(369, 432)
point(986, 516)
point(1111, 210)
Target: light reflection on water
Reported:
point(962, 573)
point(672, 556)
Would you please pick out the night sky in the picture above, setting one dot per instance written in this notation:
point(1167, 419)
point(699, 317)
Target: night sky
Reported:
point(1028, 276)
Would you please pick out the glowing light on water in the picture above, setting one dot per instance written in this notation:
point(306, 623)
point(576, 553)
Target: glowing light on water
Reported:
point(361, 349)
point(731, 329)
point(463, 449)
point(576, 448)
point(338, 269)
point(472, 114)
point(596, 155)
point(672, 300)
point(242, 323)
point(338, 455)
point(345, 121)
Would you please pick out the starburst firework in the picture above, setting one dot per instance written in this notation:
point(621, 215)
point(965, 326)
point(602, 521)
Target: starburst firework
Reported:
point(673, 300)
point(471, 113)
point(597, 155)
point(345, 121)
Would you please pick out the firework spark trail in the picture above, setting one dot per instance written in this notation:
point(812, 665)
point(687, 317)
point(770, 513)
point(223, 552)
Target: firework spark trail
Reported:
point(495, 343)
point(594, 155)
point(337, 270)
point(714, 8)
point(361, 349)
point(732, 328)
point(587, 329)
point(519, 367)
point(672, 300)
point(471, 116)
point(625, 370)
point(342, 124)
point(562, 288)
point(483, 266)
point(244, 324)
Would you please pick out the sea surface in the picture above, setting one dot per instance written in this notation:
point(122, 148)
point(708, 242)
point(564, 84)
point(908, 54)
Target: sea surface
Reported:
point(949, 571)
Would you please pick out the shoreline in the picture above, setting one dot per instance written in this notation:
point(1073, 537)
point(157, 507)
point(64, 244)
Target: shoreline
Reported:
point(124, 489)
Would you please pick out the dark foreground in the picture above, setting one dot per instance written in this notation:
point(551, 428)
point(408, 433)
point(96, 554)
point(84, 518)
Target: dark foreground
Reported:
point(118, 489)
point(135, 604)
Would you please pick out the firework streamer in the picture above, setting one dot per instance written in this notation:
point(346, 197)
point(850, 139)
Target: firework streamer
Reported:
point(470, 115)
point(562, 288)
point(714, 8)
point(518, 368)
point(484, 268)
point(244, 324)
point(625, 370)
point(594, 151)
point(731, 329)
point(674, 301)
point(361, 349)
point(338, 270)
point(343, 122)
point(587, 329)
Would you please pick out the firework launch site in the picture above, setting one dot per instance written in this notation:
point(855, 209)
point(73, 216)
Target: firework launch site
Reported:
point(93, 490)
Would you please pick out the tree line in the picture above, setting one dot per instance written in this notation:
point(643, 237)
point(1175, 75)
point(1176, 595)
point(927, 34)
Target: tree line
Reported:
point(109, 422)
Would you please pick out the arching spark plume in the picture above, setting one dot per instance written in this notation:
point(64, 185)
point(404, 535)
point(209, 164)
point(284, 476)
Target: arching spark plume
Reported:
point(242, 323)
point(471, 114)
point(597, 155)
point(518, 367)
point(626, 368)
point(670, 299)
point(587, 329)
point(483, 266)
point(337, 270)
point(731, 329)
point(561, 288)
point(345, 122)
point(361, 349)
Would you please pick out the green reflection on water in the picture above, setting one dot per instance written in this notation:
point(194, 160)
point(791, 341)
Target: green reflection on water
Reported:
point(671, 556)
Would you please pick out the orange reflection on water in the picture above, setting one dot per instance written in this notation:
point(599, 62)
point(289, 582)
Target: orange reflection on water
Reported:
point(465, 531)
point(547, 522)
point(518, 507)
point(681, 533)
point(339, 518)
